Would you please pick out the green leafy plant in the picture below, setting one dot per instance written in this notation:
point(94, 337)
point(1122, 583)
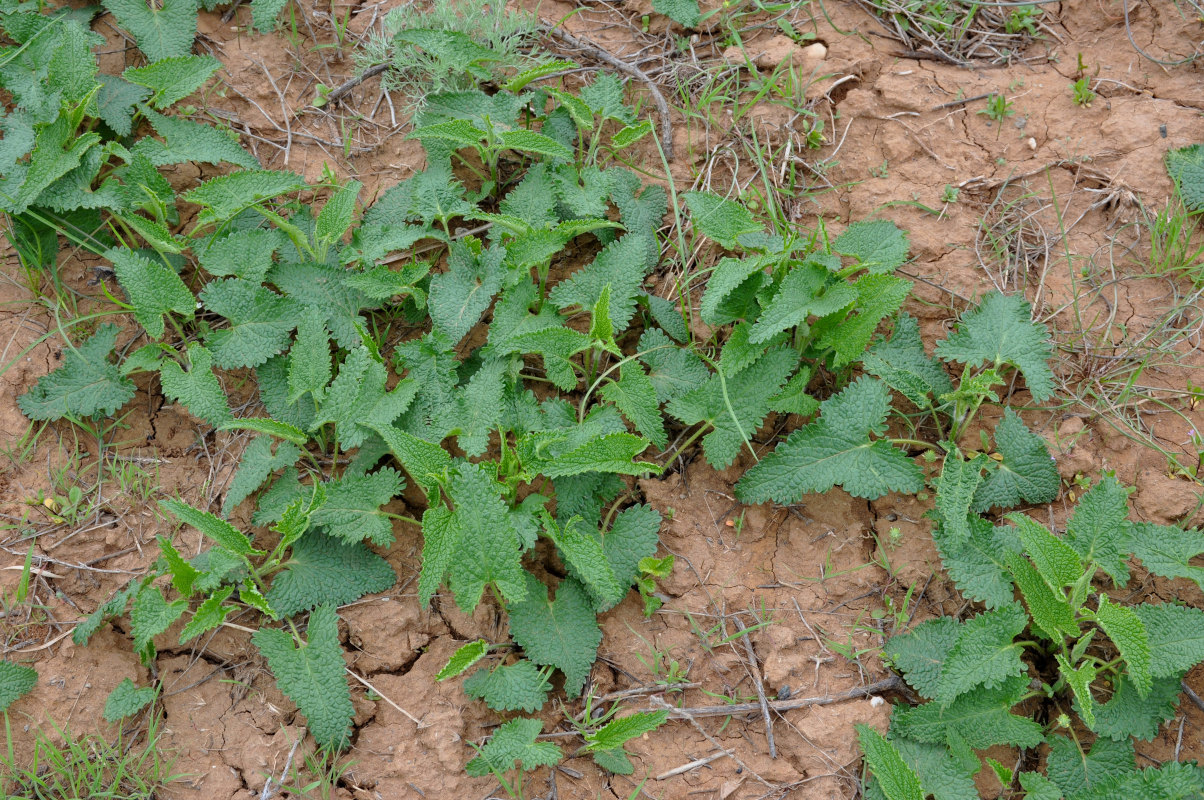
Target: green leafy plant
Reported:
point(300, 292)
point(1186, 168)
point(998, 108)
point(453, 47)
point(1068, 658)
point(846, 445)
point(797, 307)
point(1023, 19)
point(15, 681)
point(1082, 93)
point(71, 164)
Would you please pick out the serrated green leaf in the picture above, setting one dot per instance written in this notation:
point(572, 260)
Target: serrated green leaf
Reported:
point(1186, 168)
point(480, 407)
point(1176, 637)
point(126, 699)
point(584, 555)
point(116, 101)
point(322, 570)
point(521, 686)
point(836, 450)
point(520, 81)
point(243, 254)
point(265, 12)
point(1128, 713)
point(1076, 772)
point(630, 134)
point(807, 290)
point(465, 656)
point(357, 402)
point(183, 574)
point(226, 195)
point(1167, 551)
point(1129, 635)
point(172, 79)
point(878, 245)
point(920, 654)
point(1027, 473)
point(248, 592)
point(311, 674)
point(717, 218)
point(732, 286)
point(632, 538)
point(1051, 613)
point(605, 98)
point(457, 132)
point(352, 511)
point(878, 296)
point(896, 779)
point(985, 653)
point(261, 322)
point(621, 266)
point(1000, 331)
point(1056, 561)
point(1038, 787)
point(562, 632)
point(85, 385)
point(185, 141)
point(979, 566)
point(981, 718)
point(57, 150)
point(215, 528)
point(440, 541)
point(157, 236)
point(613, 452)
point(459, 296)
point(621, 730)
point(734, 404)
point(335, 217)
point(615, 761)
point(1099, 530)
point(165, 30)
point(557, 345)
point(514, 744)
point(531, 142)
point(1079, 679)
point(15, 681)
point(209, 614)
point(425, 461)
point(636, 397)
point(684, 12)
point(488, 550)
point(1171, 781)
point(110, 608)
point(150, 616)
point(198, 388)
point(955, 488)
point(942, 774)
point(153, 289)
point(902, 362)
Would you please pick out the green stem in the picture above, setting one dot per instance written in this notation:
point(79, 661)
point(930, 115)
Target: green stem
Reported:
point(918, 443)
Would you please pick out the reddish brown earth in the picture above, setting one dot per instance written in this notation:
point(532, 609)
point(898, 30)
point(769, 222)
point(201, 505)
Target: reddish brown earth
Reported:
point(808, 577)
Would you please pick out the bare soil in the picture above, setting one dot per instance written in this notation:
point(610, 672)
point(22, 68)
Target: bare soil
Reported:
point(1049, 204)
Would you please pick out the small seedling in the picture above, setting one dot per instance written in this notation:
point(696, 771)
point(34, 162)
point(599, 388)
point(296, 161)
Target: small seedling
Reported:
point(815, 138)
point(950, 194)
point(1083, 95)
point(998, 108)
point(1023, 19)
